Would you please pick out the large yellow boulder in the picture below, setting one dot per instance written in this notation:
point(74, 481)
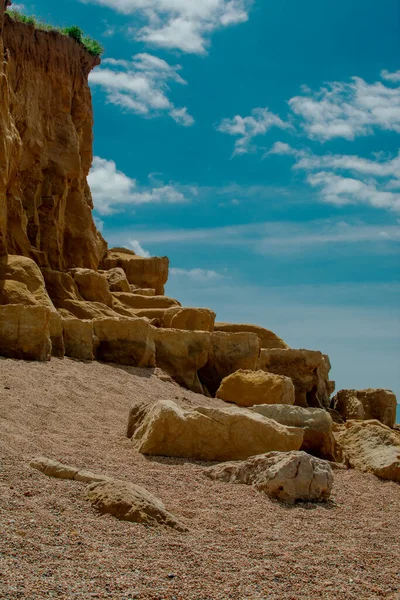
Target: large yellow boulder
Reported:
point(309, 371)
point(117, 281)
point(371, 447)
point(247, 388)
point(367, 404)
point(211, 434)
point(25, 332)
point(229, 352)
point(124, 341)
point(191, 319)
point(142, 272)
point(268, 339)
point(316, 423)
point(78, 338)
point(92, 286)
point(182, 354)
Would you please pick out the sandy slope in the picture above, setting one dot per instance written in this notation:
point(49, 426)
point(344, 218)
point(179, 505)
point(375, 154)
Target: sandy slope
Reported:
point(240, 545)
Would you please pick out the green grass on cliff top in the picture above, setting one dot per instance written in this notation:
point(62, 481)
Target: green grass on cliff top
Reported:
point(74, 32)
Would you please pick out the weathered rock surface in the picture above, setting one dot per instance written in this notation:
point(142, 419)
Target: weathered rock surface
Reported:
point(371, 447)
point(229, 352)
point(46, 149)
point(142, 272)
point(54, 468)
point(316, 423)
point(212, 434)
point(124, 341)
point(366, 404)
point(117, 281)
point(92, 286)
point(25, 332)
point(129, 502)
point(247, 388)
point(309, 371)
point(268, 339)
point(78, 338)
point(287, 477)
point(137, 302)
point(182, 354)
point(192, 319)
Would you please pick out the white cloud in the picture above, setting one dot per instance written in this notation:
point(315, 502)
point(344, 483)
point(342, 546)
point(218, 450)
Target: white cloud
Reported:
point(185, 25)
point(195, 274)
point(138, 249)
point(335, 189)
point(141, 86)
point(348, 110)
point(112, 190)
point(395, 77)
point(247, 128)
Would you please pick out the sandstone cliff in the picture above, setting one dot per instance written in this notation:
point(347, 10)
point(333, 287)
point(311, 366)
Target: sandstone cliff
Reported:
point(46, 148)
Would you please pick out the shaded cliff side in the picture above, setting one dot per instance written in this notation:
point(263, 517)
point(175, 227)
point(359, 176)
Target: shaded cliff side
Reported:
point(46, 123)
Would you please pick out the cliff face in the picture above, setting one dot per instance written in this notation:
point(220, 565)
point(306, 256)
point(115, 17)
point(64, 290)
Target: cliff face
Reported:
point(46, 124)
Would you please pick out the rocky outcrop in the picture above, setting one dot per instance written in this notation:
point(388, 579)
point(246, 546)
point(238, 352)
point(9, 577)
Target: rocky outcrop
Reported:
point(229, 352)
point(366, 404)
point(141, 272)
point(268, 339)
point(25, 332)
point(117, 280)
point(124, 341)
point(78, 338)
point(190, 319)
point(46, 148)
point(211, 434)
point(371, 447)
point(92, 286)
point(309, 371)
point(247, 388)
point(316, 423)
point(288, 477)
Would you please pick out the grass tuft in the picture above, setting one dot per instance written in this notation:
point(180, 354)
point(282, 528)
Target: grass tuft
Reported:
point(74, 32)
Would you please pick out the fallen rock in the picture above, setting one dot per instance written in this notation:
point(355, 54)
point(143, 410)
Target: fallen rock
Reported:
point(309, 371)
point(92, 286)
point(78, 338)
point(142, 272)
point(191, 319)
point(182, 354)
point(54, 468)
point(268, 339)
point(117, 281)
point(247, 388)
point(229, 352)
point(129, 502)
point(371, 447)
point(366, 405)
point(25, 332)
point(125, 341)
point(211, 434)
point(288, 477)
point(316, 423)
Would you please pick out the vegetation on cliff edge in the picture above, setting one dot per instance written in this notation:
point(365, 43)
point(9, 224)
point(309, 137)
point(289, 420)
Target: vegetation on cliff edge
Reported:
point(91, 45)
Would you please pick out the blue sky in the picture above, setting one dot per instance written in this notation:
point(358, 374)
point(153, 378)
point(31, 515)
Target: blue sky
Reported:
point(256, 144)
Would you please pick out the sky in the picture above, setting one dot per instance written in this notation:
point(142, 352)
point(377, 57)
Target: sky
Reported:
point(256, 144)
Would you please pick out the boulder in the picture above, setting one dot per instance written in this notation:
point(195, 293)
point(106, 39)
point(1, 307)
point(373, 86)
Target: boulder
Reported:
point(182, 354)
point(247, 388)
point(81, 309)
point(192, 319)
point(60, 286)
point(129, 502)
point(78, 338)
point(25, 332)
point(117, 281)
point(124, 341)
point(366, 405)
point(288, 477)
point(138, 302)
point(92, 286)
point(54, 468)
point(268, 339)
point(309, 371)
point(211, 433)
point(371, 447)
point(142, 272)
point(229, 352)
point(316, 423)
